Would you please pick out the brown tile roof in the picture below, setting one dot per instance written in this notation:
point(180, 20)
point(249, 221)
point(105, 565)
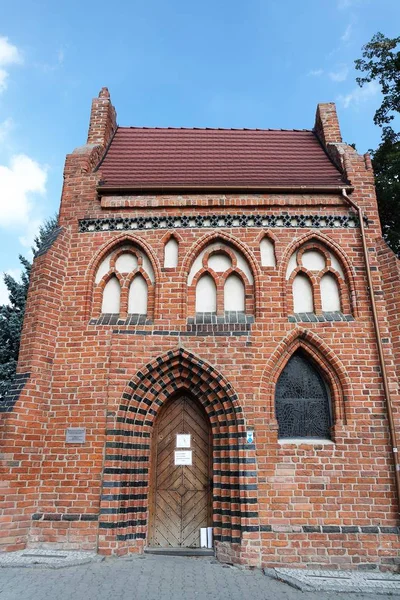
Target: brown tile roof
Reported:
point(244, 158)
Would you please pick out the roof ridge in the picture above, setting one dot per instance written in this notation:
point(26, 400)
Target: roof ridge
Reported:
point(144, 128)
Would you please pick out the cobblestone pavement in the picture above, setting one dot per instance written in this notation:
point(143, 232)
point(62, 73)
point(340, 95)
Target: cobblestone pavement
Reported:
point(153, 578)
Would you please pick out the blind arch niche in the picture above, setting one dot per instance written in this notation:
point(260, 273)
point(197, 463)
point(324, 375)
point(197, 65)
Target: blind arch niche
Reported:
point(206, 294)
point(302, 401)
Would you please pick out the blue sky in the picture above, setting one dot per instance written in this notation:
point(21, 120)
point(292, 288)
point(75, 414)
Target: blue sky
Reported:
point(264, 63)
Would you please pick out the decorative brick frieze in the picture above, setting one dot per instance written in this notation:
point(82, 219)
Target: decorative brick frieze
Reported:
point(219, 221)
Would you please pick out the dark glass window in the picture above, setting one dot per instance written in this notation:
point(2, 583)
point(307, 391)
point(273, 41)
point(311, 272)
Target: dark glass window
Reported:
point(302, 401)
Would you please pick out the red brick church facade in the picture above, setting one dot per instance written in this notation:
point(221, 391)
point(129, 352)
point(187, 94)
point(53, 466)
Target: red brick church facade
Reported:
point(228, 284)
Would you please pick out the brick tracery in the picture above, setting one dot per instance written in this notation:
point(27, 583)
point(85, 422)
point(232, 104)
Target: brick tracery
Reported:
point(322, 243)
point(327, 361)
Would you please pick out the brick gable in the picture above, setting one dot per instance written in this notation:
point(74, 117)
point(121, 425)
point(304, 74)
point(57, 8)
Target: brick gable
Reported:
point(307, 502)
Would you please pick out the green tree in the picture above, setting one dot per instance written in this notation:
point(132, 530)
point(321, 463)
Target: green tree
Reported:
point(12, 314)
point(381, 63)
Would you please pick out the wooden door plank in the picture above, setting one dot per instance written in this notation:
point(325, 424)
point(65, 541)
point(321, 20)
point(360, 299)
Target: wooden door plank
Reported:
point(182, 498)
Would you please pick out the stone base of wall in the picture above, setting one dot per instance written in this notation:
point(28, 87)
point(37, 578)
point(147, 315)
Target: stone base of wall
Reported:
point(58, 533)
point(314, 550)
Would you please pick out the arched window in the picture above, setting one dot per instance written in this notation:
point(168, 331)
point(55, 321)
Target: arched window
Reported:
point(234, 294)
point(137, 302)
point(267, 251)
point(302, 294)
point(302, 401)
point(330, 296)
point(319, 283)
point(171, 250)
point(111, 297)
point(124, 283)
point(206, 295)
point(223, 282)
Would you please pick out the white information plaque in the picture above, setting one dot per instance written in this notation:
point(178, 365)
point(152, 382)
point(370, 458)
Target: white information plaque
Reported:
point(183, 457)
point(75, 435)
point(183, 440)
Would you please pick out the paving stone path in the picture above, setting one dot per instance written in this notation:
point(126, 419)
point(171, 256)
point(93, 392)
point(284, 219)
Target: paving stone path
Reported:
point(153, 578)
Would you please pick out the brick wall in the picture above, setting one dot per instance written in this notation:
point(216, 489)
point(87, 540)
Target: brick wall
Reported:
point(307, 503)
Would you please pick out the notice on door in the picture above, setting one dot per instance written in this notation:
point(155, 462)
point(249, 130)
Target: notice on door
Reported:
point(183, 457)
point(183, 440)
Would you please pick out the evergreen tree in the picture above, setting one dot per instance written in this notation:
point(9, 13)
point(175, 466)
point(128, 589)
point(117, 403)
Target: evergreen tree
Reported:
point(381, 63)
point(12, 314)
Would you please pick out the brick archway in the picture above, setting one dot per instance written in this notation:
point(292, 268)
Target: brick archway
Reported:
point(324, 358)
point(124, 503)
point(323, 242)
point(231, 241)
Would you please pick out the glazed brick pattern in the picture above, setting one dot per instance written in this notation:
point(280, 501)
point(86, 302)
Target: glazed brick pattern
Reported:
point(273, 503)
point(232, 492)
point(325, 317)
point(218, 221)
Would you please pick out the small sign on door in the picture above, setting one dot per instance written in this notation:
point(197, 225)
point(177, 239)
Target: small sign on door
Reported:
point(183, 457)
point(183, 440)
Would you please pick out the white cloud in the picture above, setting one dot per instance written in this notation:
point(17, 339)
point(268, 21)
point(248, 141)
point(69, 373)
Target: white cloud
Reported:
point(359, 95)
point(31, 231)
point(315, 72)
point(3, 80)
point(347, 33)
point(340, 75)
point(16, 273)
point(18, 182)
point(9, 55)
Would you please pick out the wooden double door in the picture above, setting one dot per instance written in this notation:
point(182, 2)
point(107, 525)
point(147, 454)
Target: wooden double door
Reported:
point(181, 495)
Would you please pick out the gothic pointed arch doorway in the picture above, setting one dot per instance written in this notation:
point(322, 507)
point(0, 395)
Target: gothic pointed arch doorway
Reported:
point(125, 504)
point(181, 465)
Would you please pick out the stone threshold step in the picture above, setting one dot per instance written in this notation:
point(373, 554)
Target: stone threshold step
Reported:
point(180, 551)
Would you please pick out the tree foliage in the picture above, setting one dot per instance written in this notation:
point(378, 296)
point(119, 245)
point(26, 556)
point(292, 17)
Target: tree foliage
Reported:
point(381, 63)
point(12, 314)
point(386, 163)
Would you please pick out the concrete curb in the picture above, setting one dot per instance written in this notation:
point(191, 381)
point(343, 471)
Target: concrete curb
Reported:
point(293, 582)
point(351, 582)
point(49, 559)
